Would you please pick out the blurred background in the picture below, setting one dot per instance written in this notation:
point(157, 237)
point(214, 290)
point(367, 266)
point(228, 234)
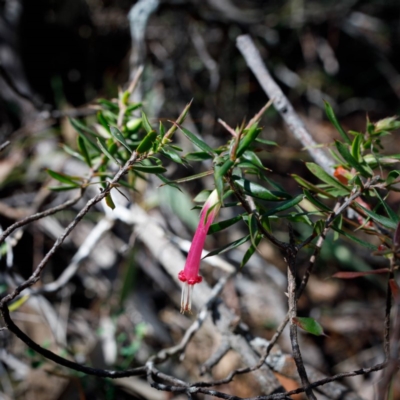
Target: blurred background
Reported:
point(57, 57)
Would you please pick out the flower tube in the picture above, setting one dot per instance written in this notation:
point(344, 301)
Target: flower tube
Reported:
point(190, 274)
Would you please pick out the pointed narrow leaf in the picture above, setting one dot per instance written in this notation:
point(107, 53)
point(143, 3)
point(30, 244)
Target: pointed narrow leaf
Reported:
point(69, 180)
point(310, 325)
point(147, 143)
point(103, 121)
point(267, 142)
point(80, 127)
point(109, 201)
point(228, 247)
point(284, 206)
point(325, 177)
point(253, 229)
point(104, 149)
point(108, 104)
point(89, 141)
point(386, 222)
point(316, 202)
point(332, 117)
point(355, 239)
point(62, 188)
point(84, 151)
point(345, 153)
point(72, 152)
point(172, 155)
point(197, 141)
point(307, 185)
point(150, 169)
point(248, 139)
point(219, 184)
point(258, 191)
point(392, 215)
point(133, 107)
point(250, 251)
point(146, 123)
point(168, 182)
point(356, 148)
point(225, 167)
point(198, 156)
point(120, 137)
point(219, 226)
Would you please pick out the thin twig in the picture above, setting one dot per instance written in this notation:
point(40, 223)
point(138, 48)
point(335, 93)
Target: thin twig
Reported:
point(39, 215)
point(253, 59)
point(290, 258)
point(4, 145)
point(63, 361)
point(36, 274)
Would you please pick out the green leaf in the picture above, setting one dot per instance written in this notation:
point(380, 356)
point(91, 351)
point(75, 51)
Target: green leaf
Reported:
point(69, 180)
point(228, 247)
point(386, 222)
point(150, 169)
point(117, 134)
point(325, 177)
point(83, 149)
point(88, 139)
point(284, 206)
point(219, 183)
point(253, 229)
point(247, 140)
point(310, 325)
point(133, 125)
point(307, 185)
point(250, 251)
point(196, 141)
point(345, 153)
point(319, 227)
point(356, 148)
point(332, 117)
point(104, 149)
point(252, 158)
point(198, 156)
point(80, 127)
point(146, 123)
point(191, 178)
point(103, 121)
point(62, 188)
point(316, 202)
point(108, 104)
point(392, 176)
point(267, 142)
point(132, 107)
point(391, 214)
point(225, 167)
point(147, 143)
point(172, 155)
point(355, 239)
point(168, 182)
point(219, 226)
point(109, 201)
point(258, 191)
point(72, 152)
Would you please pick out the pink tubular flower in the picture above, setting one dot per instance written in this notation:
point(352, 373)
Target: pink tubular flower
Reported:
point(190, 274)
